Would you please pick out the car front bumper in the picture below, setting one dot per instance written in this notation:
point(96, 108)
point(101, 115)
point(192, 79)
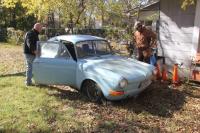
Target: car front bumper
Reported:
point(130, 91)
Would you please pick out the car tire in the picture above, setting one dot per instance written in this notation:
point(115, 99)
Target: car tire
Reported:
point(93, 91)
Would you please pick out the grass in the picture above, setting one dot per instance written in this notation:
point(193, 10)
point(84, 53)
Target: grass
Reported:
point(32, 109)
point(63, 109)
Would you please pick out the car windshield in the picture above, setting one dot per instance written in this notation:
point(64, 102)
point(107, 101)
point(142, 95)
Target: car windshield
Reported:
point(93, 48)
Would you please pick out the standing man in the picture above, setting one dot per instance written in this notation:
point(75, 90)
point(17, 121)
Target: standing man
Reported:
point(145, 40)
point(30, 43)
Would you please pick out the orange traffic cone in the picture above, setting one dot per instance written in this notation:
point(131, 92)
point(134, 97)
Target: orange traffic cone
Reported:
point(175, 74)
point(164, 73)
point(158, 75)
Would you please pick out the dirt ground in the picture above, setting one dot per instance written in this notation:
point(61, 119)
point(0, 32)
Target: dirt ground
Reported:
point(161, 108)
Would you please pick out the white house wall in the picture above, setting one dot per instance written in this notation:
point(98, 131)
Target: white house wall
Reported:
point(176, 33)
point(196, 31)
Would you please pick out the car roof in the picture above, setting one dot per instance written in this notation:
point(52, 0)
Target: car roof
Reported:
point(75, 38)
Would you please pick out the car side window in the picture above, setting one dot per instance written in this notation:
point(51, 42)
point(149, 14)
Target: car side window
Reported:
point(52, 50)
point(63, 52)
point(70, 48)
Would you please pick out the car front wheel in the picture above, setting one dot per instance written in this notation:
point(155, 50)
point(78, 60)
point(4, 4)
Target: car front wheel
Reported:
point(93, 91)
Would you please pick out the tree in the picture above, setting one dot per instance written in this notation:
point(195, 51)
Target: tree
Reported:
point(187, 3)
point(12, 15)
point(78, 13)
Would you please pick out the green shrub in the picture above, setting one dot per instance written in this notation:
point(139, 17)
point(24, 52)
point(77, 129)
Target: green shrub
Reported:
point(43, 37)
point(15, 36)
point(117, 33)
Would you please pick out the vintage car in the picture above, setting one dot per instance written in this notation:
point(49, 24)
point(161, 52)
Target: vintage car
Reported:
point(87, 63)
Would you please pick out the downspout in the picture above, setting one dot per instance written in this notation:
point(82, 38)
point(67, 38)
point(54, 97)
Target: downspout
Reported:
point(161, 48)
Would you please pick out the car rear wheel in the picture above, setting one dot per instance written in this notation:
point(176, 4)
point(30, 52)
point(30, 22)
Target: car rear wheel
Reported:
point(93, 91)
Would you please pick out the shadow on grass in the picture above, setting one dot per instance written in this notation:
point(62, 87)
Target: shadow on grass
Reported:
point(158, 100)
point(63, 92)
point(13, 74)
point(16, 131)
point(127, 127)
point(193, 92)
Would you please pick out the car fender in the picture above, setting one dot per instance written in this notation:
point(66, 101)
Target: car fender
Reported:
point(106, 80)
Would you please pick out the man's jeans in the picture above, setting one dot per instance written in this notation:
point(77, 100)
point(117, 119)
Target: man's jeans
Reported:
point(29, 65)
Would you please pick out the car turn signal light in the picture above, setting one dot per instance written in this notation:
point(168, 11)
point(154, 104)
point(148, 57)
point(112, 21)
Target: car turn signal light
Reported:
point(116, 93)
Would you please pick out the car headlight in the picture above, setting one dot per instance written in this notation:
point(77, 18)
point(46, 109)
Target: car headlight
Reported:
point(154, 71)
point(123, 83)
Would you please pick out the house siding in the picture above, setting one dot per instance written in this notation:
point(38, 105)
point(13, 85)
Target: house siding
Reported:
point(196, 31)
point(176, 33)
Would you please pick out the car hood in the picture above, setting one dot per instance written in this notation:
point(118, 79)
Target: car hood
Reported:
point(130, 69)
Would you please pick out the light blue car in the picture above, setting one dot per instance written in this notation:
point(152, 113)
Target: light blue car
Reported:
point(87, 63)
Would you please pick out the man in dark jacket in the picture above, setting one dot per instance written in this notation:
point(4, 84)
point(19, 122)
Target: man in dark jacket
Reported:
point(30, 43)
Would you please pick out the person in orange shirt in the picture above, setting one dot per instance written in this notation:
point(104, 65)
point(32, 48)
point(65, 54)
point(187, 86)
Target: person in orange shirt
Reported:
point(145, 40)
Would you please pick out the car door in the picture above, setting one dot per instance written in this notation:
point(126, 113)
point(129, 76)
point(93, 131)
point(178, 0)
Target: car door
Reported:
point(54, 65)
